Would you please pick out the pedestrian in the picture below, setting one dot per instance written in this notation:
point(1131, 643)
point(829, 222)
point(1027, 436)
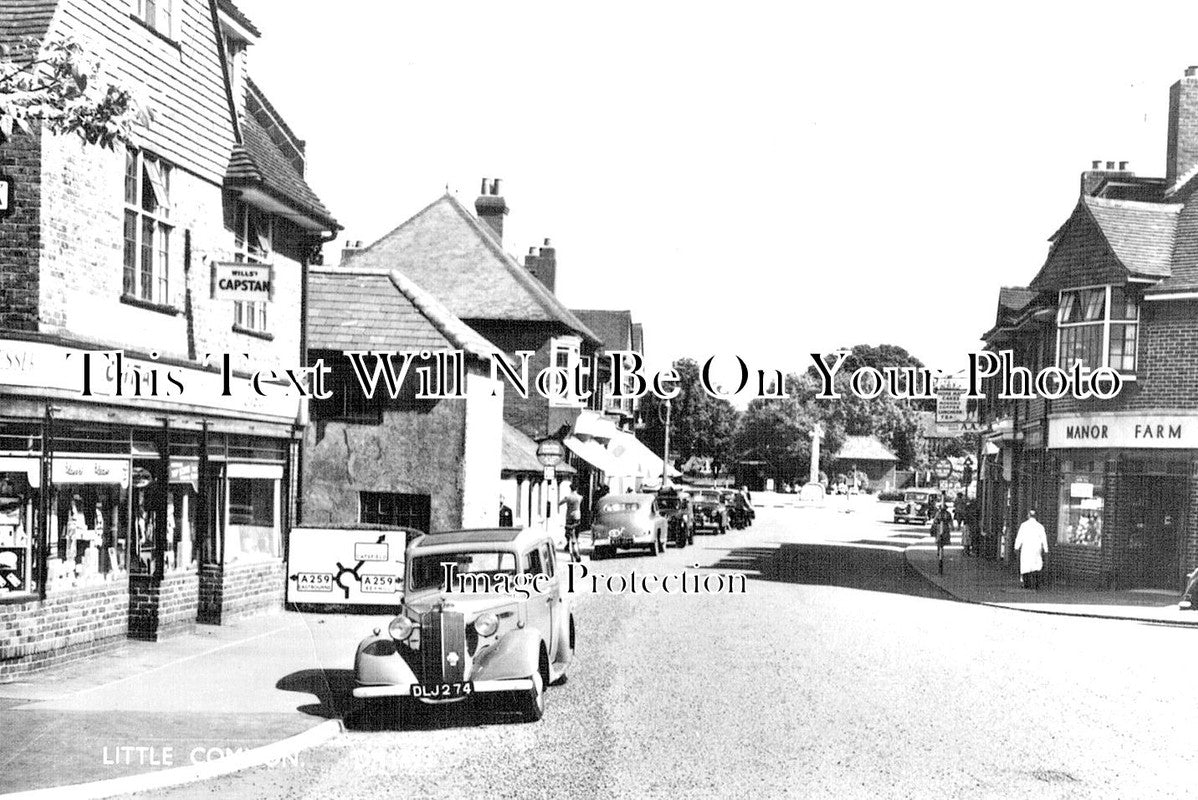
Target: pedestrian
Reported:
point(505, 513)
point(573, 503)
point(1032, 544)
point(942, 530)
point(959, 510)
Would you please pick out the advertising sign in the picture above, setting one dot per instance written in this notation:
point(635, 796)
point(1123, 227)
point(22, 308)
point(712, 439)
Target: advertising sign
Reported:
point(89, 470)
point(346, 566)
point(247, 282)
point(950, 401)
point(1115, 430)
point(550, 452)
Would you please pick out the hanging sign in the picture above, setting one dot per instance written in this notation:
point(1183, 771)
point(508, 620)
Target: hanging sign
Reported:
point(246, 282)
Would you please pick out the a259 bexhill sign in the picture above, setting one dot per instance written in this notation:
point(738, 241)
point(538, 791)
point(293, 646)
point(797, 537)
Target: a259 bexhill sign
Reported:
point(245, 282)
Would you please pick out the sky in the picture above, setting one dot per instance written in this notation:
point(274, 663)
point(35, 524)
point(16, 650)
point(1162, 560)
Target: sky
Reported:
point(761, 179)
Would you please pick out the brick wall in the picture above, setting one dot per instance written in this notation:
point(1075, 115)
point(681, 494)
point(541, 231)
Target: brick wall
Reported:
point(160, 607)
point(238, 590)
point(65, 627)
point(20, 239)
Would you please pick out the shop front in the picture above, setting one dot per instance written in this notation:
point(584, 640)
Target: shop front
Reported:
point(131, 519)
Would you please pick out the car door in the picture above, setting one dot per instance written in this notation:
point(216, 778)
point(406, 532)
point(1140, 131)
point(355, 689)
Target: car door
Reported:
point(540, 604)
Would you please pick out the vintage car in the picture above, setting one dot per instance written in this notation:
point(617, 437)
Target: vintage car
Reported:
point(740, 512)
point(484, 613)
point(709, 510)
point(675, 506)
point(625, 521)
point(915, 504)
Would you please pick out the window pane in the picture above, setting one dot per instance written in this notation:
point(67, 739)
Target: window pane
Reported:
point(130, 282)
point(1095, 300)
point(1083, 344)
point(1123, 304)
point(131, 177)
point(1081, 509)
point(1123, 347)
point(1068, 307)
point(147, 258)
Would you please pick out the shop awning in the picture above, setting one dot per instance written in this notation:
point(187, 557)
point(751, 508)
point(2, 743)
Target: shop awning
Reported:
point(594, 453)
point(595, 426)
point(635, 458)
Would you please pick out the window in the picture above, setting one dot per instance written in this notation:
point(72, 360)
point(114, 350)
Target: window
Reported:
point(565, 354)
point(157, 14)
point(254, 525)
point(147, 227)
point(1098, 327)
point(253, 231)
point(1080, 520)
point(395, 508)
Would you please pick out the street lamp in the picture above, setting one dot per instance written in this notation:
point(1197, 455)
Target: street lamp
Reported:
point(665, 456)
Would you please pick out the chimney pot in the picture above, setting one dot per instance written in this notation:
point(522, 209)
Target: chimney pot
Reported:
point(532, 251)
point(1110, 165)
point(483, 188)
point(491, 208)
point(1122, 166)
point(1095, 165)
point(1191, 72)
point(495, 187)
point(547, 244)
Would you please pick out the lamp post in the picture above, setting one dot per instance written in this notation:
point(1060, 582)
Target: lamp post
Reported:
point(665, 455)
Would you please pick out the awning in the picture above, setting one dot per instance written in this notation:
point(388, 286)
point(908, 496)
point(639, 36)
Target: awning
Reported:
point(594, 425)
point(594, 453)
point(635, 458)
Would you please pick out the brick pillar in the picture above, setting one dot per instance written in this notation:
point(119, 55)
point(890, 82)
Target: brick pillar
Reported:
point(1114, 526)
point(144, 598)
point(211, 594)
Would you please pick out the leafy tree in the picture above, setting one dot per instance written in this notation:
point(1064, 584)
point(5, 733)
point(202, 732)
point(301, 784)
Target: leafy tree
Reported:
point(61, 86)
point(700, 425)
point(778, 431)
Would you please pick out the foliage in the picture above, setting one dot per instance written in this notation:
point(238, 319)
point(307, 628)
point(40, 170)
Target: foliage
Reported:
point(700, 425)
point(60, 85)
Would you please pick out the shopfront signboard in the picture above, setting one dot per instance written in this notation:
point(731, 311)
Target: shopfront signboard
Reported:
point(1149, 431)
point(346, 566)
point(90, 470)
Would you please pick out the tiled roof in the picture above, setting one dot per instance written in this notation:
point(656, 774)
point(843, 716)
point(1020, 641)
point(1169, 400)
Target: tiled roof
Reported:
point(1015, 298)
point(259, 161)
point(22, 18)
point(445, 248)
point(614, 328)
point(236, 13)
point(1140, 234)
point(520, 454)
point(1184, 275)
point(864, 448)
point(350, 309)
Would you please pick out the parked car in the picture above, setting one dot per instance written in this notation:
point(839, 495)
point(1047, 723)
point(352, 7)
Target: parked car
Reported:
point(450, 643)
point(626, 521)
point(915, 506)
point(675, 506)
point(740, 512)
point(710, 513)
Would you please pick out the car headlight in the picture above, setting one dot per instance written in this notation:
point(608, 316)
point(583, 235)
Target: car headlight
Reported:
point(401, 628)
point(486, 623)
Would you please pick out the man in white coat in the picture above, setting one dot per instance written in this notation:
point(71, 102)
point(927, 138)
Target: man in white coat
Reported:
point(1032, 544)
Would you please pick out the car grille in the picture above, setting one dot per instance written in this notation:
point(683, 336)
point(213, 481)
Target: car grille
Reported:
point(443, 633)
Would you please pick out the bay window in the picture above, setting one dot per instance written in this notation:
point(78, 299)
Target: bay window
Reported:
point(147, 228)
point(1098, 327)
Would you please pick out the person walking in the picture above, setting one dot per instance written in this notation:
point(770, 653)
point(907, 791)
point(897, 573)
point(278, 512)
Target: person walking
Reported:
point(942, 530)
point(1032, 544)
point(573, 503)
point(505, 513)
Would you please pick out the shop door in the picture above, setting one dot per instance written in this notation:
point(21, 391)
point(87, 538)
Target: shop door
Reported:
point(1156, 521)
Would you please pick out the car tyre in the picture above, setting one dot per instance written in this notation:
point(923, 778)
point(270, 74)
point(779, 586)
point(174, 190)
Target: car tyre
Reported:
point(532, 701)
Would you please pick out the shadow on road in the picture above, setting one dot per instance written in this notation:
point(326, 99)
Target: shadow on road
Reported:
point(867, 568)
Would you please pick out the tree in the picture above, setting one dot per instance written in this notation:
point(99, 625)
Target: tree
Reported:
point(777, 432)
point(61, 86)
point(700, 425)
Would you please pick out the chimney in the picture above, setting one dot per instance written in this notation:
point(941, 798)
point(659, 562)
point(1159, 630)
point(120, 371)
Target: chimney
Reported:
point(490, 207)
point(543, 264)
point(1181, 153)
point(1101, 171)
point(348, 249)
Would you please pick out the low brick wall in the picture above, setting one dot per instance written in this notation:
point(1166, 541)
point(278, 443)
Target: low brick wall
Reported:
point(67, 626)
point(238, 590)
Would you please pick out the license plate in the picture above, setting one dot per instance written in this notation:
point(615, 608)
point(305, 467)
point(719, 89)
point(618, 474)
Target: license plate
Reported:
point(443, 691)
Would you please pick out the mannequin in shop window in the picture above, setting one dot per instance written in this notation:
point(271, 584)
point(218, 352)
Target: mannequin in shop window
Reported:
point(144, 524)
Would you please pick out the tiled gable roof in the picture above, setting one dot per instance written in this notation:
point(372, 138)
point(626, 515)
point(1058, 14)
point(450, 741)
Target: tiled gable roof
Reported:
point(351, 309)
point(22, 18)
point(259, 161)
point(236, 13)
point(864, 448)
point(614, 328)
point(446, 248)
point(1140, 234)
point(1014, 298)
point(1184, 274)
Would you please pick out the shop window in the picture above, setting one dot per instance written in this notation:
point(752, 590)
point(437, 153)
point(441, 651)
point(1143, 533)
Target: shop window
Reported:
point(253, 530)
point(1098, 327)
point(253, 232)
point(89, 523)
point(565, 354)
point(18, 534)
point(147, 227)
point(1081, 503)
point(395, 508)
point(182, 542)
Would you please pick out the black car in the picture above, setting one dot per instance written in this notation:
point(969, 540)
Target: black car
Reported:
point(675, 506)
point(740, 513)
point(710, 513)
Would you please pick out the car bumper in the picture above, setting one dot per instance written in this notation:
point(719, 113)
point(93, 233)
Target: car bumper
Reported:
point(405, 689)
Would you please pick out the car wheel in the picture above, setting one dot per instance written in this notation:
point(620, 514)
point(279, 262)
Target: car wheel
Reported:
point(532, 701)
point(597, 554)
point(722, 530)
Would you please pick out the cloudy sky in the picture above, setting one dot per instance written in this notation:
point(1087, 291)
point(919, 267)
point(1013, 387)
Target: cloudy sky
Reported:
point(762, 179)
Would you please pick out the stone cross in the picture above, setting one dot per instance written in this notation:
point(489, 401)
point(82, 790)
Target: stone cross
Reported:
point(817, 433)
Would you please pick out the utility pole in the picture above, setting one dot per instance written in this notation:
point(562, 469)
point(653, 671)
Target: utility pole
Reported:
point(665, 456)
point(817, 433)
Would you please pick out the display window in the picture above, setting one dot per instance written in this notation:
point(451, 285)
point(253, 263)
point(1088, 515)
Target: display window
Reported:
point(19, 541)
point(1082, 501)
point(182, 508)
point(88, 523)
point(254, 528)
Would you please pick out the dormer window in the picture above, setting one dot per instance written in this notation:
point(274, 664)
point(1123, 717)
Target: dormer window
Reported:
point(1098, 327)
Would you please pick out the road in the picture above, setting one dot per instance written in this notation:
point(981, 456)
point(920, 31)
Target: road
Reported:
point(838, 673)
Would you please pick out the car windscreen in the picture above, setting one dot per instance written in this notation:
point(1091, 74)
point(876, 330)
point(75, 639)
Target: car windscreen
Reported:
point(707, 497)
point(669, 503)
point(619, 508)
point(427, 572)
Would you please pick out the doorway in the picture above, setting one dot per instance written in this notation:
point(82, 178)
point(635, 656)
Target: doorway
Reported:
point(1157, 508)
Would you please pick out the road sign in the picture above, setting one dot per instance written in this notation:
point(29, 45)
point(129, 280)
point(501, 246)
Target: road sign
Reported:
point(944, 468)
point(550, 474)
point(550, 452)
point(950, 400)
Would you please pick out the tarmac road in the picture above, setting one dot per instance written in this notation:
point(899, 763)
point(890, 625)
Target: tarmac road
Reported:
point(812, 683)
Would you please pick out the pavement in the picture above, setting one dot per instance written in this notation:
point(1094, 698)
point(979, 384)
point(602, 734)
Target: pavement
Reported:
point(193, 705)
point(974, 579)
